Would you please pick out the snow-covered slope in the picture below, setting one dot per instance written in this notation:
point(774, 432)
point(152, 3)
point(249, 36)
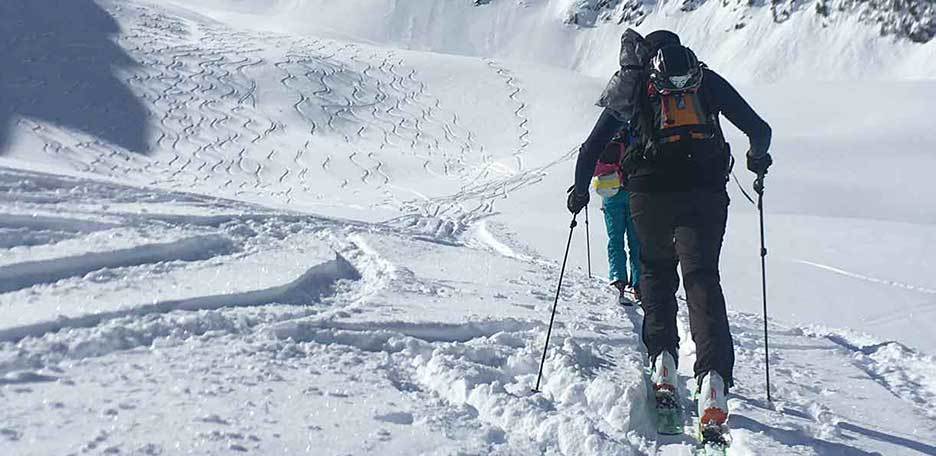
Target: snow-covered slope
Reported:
point(224, 232)
point(251, 330)
point(749, 41)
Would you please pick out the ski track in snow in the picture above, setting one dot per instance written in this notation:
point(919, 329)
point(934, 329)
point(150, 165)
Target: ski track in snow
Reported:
point(197, 79)
point(892, 283)
point(515, 89)
point(270, 331)
point(27, 274)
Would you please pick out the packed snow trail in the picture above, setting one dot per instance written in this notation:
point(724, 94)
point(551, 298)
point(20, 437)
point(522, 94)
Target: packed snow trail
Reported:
point(829, 398)
point(334, 247)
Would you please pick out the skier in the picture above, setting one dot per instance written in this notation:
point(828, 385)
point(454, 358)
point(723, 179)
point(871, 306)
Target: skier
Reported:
point(677, 174)
point(615, 203)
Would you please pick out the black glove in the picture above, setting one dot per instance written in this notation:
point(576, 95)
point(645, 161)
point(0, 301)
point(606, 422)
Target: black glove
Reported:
point(759, 165)
point(576, 201)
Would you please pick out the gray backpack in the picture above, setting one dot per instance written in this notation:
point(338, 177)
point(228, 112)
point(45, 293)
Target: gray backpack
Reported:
point(621, 93)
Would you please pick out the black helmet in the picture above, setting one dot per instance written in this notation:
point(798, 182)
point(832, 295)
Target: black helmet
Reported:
point(675, 69)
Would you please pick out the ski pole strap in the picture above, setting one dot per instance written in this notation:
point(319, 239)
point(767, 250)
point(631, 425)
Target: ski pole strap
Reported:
point(743, 191)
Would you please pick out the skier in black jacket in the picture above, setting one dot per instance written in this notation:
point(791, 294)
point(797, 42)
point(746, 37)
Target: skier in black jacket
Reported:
point(677, 177)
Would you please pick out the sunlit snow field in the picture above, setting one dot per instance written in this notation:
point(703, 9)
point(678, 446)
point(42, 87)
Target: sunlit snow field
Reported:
point(324, 228)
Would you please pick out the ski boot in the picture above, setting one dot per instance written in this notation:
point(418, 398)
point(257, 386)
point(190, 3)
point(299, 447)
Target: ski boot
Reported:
point(663, 377)
point(713, 414)
point(635, 290)
point(624, 298)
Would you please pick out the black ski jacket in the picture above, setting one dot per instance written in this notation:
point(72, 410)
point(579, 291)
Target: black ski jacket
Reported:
point(723, 98)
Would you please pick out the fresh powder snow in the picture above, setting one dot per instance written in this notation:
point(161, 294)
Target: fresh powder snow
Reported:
point(336, 228)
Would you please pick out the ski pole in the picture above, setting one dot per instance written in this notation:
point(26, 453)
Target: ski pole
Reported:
point(759, 188)
point(555, 303)
point(587, 242)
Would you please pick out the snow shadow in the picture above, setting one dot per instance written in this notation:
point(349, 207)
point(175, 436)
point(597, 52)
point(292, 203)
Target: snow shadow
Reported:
point(790, 437)
point(59, 62)
point(754, 426)
point(884, 437)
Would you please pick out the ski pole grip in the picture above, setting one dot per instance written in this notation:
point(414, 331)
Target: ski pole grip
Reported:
point(759, 184)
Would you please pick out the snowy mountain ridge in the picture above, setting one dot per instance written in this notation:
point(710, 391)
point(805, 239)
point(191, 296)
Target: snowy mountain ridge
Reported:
point(911, 19)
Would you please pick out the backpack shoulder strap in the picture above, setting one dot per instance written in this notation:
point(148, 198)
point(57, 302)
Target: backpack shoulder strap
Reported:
point(643, 114)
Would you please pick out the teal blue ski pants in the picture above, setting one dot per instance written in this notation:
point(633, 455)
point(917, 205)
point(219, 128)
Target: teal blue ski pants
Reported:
point(617, 215)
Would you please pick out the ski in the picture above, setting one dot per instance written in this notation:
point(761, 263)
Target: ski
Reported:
point(714, 440)
point(625, 300)
point(628, 298)
point(626, 295)
point(669, 417)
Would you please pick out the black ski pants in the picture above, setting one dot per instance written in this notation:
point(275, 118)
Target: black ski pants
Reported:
point(684, 228)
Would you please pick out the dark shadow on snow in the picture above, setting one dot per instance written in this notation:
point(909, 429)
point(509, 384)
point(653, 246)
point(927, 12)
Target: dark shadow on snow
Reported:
point(57, 63)
point(884, 437)
point(794, 437)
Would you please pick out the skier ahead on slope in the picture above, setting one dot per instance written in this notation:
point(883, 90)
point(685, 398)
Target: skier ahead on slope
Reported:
point(677, 172)
point(623, 263)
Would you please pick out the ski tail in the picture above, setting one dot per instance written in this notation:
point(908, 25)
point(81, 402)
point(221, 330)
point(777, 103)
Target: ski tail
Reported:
point(669, 417)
